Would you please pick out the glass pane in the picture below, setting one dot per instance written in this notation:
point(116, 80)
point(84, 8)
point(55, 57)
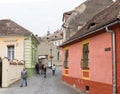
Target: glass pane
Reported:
point(10, 52)
point(85, 54)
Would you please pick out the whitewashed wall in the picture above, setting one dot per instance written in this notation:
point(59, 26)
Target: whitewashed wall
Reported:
point(10, 72)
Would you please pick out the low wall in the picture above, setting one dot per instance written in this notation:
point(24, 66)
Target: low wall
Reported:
point(11, 71)
point(14, 73)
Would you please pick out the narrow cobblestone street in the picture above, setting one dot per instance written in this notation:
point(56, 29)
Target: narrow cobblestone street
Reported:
point(40, 85)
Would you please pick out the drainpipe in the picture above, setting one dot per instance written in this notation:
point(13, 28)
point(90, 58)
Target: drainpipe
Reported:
point(114, 60)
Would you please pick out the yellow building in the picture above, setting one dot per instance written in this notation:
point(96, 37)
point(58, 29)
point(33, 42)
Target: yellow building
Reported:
point(17, 44)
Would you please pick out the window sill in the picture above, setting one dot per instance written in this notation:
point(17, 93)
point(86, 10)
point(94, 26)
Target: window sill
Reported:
point(66, 67)
point(85, 68)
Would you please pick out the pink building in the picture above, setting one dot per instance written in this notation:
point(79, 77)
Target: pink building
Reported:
point(91, 59)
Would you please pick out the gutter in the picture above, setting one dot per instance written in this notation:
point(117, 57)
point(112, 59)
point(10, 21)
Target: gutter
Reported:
point(114, 60)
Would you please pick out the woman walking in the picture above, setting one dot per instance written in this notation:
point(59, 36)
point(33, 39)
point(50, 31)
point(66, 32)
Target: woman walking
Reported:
point(53, 69)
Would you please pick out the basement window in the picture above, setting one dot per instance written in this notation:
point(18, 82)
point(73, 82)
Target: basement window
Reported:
point(87, 88)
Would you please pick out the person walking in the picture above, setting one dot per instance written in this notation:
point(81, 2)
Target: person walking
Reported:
point(42, 69)
point(37, 68)
point(44, 61)
point(23, 77)
point(45, 69)
point(53, 69)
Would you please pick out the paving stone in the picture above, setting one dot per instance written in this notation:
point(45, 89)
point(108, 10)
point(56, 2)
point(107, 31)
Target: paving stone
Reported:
point(40, 85)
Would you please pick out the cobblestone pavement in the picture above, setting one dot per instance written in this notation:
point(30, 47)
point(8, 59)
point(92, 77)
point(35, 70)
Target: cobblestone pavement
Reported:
point(40, 85)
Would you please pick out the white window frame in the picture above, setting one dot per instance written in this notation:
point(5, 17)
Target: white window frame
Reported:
point(12, 52)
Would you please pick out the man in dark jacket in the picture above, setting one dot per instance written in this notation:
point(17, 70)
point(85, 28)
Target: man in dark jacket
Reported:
point(37, 68)
point(24, 77)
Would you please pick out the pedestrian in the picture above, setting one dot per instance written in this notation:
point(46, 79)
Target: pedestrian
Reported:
point(37, 68)
point(53, 69)
point(24, 75)
point(45, 69)
point(42, 67)
point(44, 61)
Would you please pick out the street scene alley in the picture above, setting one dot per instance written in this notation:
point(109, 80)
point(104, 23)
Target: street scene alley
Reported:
point(40, 85)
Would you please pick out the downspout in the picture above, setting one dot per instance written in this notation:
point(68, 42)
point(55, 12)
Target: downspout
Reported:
point(114, 60)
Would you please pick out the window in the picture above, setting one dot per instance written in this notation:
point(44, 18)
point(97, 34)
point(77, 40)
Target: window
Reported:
point(85, 60)
point(92, 25)
point(10, 52)
point(33, 52)
point(87, 88)
point(66, 59)
point(58, 55)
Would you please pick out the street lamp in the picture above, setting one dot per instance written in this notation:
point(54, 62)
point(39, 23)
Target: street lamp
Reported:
point(51, 56)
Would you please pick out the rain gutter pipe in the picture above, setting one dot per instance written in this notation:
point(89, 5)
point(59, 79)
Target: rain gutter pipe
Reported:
point(114, 60)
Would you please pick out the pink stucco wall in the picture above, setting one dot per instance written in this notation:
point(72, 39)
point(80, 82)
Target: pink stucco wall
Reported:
point(100, 60)
point(75, 60)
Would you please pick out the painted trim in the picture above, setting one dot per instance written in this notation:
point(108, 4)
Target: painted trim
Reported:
point(86, 78)
point(66, 74)
point(66, 48)
point(85, 70)
point(84, 42)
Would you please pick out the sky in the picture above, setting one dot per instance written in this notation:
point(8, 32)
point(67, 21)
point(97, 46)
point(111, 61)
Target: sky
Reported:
point(38, 16)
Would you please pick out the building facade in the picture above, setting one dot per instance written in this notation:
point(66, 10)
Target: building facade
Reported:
point(91, 56)
point(17, 43)
point(49, 47)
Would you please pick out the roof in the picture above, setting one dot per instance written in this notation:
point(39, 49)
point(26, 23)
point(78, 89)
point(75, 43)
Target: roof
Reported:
point(66, 15)
point(103, 18)
point(9, 27)
point(85, 11)
point(58, 35)
point(82, 14)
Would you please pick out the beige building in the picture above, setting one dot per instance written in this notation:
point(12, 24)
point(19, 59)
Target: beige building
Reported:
point(49, 47)
point(12, 55)
point(18, 50)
